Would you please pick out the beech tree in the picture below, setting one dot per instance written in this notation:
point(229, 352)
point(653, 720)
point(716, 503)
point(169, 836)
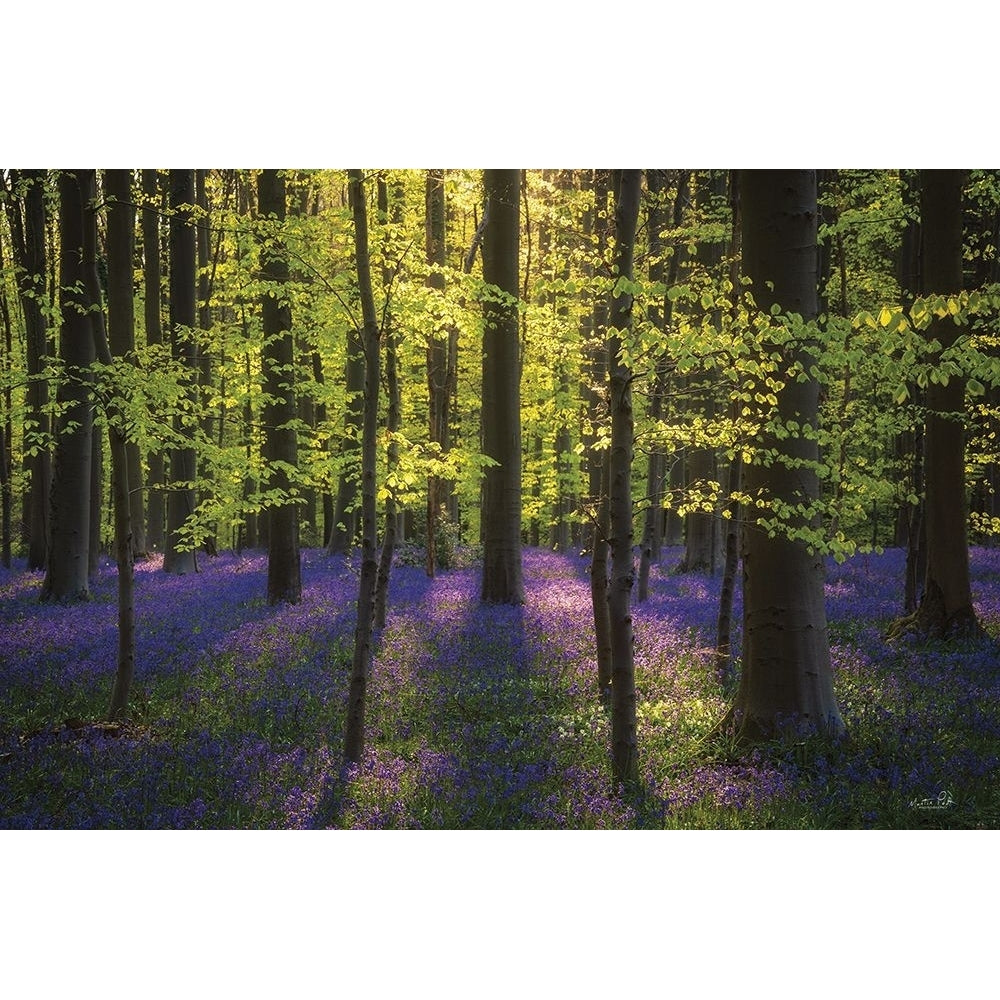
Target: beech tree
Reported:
point(354, 737)
point(178, 556)
point(284, 574)
point(502, 581)
point(946, 605)
point(28, 239)
point(67, 565)
point(624, 745)
point(786, 681)
point(152, 306)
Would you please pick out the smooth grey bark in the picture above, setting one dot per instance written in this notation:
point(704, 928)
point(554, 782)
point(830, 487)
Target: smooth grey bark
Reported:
point(502, 578)
point(624, 742)
point(156, 474)
point(786, 683)
point(121, 321)
point(183, 316)
point(946, 605)
point(354, 736)
point(284, 572)
point(67, 564)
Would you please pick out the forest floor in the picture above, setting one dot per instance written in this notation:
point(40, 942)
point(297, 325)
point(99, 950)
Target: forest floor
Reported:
point(478, 717)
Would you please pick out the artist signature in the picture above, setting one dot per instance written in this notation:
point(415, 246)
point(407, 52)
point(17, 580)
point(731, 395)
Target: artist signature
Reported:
point(942, 801)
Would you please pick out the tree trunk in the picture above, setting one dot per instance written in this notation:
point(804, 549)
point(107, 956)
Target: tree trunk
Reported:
point(437, 353)
point(786, 683)
point(155, 480)
point(597, 351)
point(392, 419)
point(124, 454)
point(946, 605)
point(344, 529)
point(502, 581)
point(121, 322)
point(284, 573)
point(28, 237)
point(178, 556)
point(624, 746)
point(66, 574)
point(354, 737)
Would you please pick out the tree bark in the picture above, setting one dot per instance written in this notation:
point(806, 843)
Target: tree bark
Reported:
point(121, 322)
point(156, 478)
point(437, 353)
point(344, 529)
point(597, 351)
point(66, 574)
point(502, 580)
point(624, 744)
point(28, 238)
point(354, 737)
point(786, 683)
point(946, 605)
point(284, 573)
point(183, 316)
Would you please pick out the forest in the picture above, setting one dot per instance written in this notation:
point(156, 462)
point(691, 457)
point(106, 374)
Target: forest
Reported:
point(499, 499)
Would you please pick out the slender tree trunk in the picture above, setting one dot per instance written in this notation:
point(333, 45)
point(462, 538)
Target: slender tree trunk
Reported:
point(786, 683)
point(598, 356)
point(624, 745)
point(156, 478)
point(284, 573)
point(731, 526)
point(67, 570)
point(700, 526)
point(946, 606)
point(28, 237)
point(121, 322)
point(502, 581)
point(437, 353)
point(344, 529)
point(124, 454)
point(354, 738)
point(183, 316)
point(204, 298)
point(392, 419)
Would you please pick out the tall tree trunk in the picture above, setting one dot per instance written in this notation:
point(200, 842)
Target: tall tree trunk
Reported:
point(28, 237)
point(437, 353)
point(66, 573)
point(502, 580)
point(345, 520)
point(946, 606)
point(786, 683)
point(731, 525)
point(96, 316)
point(598, 400)
point(284, 573)
point(204, 297)
point(179, 555)
point(390, 515)
point(354, 738)
point(624, 745)
point(701, 532)
point(156, 478)
point(128, 518)
point(121, 323)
